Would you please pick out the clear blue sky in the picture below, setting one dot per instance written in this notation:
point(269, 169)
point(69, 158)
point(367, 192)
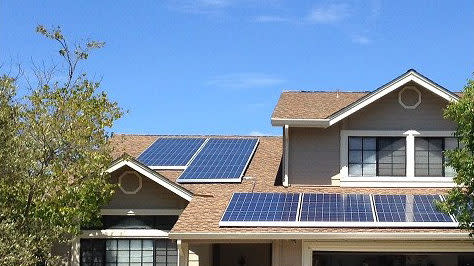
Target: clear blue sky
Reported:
point(218, 66)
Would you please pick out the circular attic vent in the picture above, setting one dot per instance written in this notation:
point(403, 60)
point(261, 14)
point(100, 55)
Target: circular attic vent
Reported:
point(130, 182)
point(409, 97)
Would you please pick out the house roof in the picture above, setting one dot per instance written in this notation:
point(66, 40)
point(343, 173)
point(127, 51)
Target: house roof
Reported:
point(323, 109)
point(203, 213)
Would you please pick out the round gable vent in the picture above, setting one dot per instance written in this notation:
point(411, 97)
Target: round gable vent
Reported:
point(409, 97)
point(130, 182)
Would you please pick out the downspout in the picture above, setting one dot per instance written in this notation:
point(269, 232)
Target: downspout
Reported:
point(286, 148)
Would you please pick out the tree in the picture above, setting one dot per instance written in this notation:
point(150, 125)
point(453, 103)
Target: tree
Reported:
point(460, 200)
point(53, 153)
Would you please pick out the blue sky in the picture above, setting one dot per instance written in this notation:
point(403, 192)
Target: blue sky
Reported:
point(218, 66)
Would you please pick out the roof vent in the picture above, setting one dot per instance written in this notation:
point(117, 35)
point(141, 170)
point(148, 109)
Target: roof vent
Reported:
point(409, 97)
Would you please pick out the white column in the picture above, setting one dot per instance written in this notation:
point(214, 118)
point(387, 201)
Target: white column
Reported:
point(286, 153)
point(183, 253)
point(411, 152)
point(276, 252)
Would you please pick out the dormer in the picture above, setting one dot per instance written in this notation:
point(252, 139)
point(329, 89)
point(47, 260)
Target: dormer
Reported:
point(394, 136)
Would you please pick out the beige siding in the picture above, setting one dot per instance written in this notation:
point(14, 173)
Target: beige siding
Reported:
point(387, 114)
point(314, 152)
point(313, 155)
point(151, 196)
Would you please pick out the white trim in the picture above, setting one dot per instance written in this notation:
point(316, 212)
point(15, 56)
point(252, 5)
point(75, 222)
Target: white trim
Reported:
point(286, 151)
point(153, 176)
point(140, 183)
point(409, 106)
point(410, 180)
point(410, 76)
point(124, 233)
point(141, 212)
point(322, 236)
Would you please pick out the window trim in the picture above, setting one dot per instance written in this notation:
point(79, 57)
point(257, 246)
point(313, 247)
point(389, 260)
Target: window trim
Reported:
point(410, 180)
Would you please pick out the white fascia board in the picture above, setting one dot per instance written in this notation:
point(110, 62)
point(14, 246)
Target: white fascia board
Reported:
point(322, 236)
point(132, 212)
point(342, 224)
point(153, 176)
point(411, 76)
point(125, 233)
point(300, 122)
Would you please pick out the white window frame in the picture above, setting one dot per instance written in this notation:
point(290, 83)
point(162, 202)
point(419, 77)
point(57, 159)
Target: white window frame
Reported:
point(410, 180)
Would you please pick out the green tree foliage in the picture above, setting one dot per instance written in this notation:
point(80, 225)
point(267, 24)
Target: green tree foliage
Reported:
point(53, 153)
point(460, 200)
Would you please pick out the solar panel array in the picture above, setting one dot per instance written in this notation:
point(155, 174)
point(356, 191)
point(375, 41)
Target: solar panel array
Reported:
point(171, 151)
point(248, 207)
point(334, 210)
point(220, 160)
point(409, 208)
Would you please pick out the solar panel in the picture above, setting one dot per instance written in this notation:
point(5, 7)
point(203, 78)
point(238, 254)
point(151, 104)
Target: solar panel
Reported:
point(336, 208)
point(259, 208)
point(220, 160)
point(171, 151)
point(409, 208)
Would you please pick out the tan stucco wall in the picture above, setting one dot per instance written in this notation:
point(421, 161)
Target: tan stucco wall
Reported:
point(151, 196)
point(314, 152)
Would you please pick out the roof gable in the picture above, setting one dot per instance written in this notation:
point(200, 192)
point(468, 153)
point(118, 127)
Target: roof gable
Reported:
point(346, 106)
point(126, 160)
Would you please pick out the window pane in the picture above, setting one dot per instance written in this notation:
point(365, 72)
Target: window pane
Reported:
point(135, 244)
point(398, 169)
point(135, 256)
point(355, 169)
point(385, 157)
point(421, 144)
point(385, 170)
point(123, 256)
point(123, 244)
point(421, 157)
point(435, 157)
point(355, 156)
point(369, 157)
point(369, 144)
point(450, 143)
point(355, 143)
point(369, 169)
point(436, 144)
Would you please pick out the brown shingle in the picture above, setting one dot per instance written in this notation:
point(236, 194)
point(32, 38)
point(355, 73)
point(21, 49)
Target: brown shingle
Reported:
point(206, 208)
point(313, 105)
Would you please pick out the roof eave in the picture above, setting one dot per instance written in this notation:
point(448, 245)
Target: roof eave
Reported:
point(300, 122)
point(322, 236)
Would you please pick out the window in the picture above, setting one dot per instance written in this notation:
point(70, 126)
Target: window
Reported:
point(114, 252)
point(377, 156)
point(430, 158)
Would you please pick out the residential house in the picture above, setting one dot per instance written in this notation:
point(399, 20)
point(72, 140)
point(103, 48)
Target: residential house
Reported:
point(352, 181)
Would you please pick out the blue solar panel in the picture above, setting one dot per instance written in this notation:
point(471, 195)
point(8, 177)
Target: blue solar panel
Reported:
point(336, 208)
point(171, 151)
point(262, 207)
point(220, 160)
point(409, 208)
